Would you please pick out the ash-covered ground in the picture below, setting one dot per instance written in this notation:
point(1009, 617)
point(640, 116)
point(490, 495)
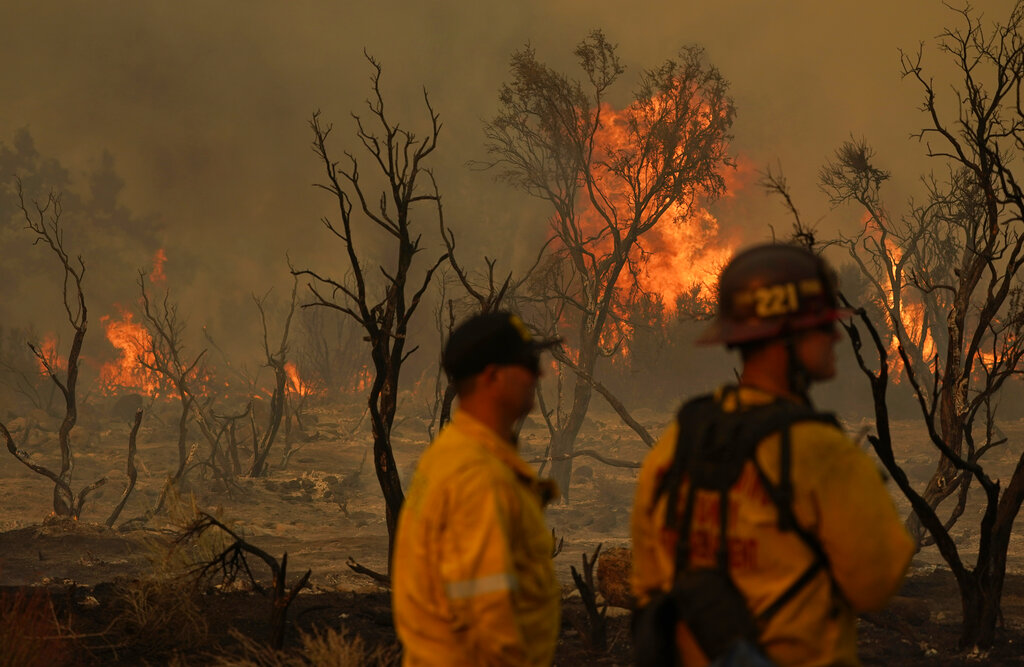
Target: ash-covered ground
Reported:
point(323, 507)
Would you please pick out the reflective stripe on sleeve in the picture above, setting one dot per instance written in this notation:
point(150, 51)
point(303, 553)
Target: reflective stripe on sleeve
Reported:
point(468, 588)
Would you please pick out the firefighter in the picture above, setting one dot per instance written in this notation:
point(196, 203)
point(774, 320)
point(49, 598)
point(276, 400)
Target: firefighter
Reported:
point(472, 577)
point(801, 528)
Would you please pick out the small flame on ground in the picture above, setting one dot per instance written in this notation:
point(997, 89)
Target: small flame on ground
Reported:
point(295, 384)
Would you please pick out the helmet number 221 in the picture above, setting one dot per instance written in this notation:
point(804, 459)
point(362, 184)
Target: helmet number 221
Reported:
point(775, 300)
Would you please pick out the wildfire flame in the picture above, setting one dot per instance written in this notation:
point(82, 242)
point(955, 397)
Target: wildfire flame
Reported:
point(361, 381)
point(128, 372)
point(911, 317)
point(295, 384)
point(680, 254)
point(48, 351)
point(157, 275)
point(678, 258)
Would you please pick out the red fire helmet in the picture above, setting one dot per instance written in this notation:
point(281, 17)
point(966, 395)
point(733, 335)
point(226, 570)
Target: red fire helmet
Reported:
point(769, 291)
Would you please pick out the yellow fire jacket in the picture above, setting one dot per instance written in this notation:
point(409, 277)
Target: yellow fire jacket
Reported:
point(472, 577)
point(838, 495)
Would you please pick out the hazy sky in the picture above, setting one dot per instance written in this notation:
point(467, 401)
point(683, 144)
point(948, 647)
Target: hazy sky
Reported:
point(204, 104)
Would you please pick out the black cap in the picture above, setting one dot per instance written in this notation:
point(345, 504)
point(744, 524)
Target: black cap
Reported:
point(492, 338)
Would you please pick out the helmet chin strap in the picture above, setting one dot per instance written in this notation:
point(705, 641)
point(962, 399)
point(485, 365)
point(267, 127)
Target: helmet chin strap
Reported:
point(796, 374)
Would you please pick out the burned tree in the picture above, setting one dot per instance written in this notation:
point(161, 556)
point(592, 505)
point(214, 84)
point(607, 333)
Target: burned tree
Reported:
point(278, 400)
point(163, 353)
point(484, 292)
point(400, 157)
point(19, 370)
point(44, 221)
point(947, 281)
point(609, 182)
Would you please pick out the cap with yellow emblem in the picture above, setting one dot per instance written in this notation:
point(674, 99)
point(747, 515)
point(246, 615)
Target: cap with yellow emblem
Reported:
point(492, 338)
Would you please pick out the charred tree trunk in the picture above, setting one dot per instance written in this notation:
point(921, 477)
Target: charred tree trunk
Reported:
point(186, 406)
point(62, 502)
point(45, 223)
point(130, 469)
point(383, 404)
point(980, 588)
point(277, 400)
point(563, 440)
point(399, 157)
point(446, 405)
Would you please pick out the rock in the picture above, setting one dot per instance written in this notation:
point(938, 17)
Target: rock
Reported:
point(613, 569)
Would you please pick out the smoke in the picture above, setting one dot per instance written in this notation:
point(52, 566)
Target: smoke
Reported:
point(204, 109)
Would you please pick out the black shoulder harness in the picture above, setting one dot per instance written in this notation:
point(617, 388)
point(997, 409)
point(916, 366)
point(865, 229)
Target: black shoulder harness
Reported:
point(711, 451)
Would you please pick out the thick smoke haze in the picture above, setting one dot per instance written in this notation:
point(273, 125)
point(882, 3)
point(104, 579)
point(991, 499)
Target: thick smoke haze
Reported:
point(204, 107)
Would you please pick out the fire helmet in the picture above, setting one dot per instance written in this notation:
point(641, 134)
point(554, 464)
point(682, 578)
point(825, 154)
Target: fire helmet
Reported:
point(770, 291)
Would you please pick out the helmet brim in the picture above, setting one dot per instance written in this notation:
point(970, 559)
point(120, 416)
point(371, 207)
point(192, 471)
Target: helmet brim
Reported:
point(739, 333)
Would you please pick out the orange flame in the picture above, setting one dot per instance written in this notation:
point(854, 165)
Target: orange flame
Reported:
point(681, 253)
point(362, 380)
point(129, 371)
point(48, 351)
point(296, 384)
point(680, 256)
point(911, 317)
point(157, 275)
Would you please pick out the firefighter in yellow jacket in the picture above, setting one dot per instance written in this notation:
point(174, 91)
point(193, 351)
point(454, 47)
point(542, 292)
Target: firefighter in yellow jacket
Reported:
point(812, 536)
point(472, 577)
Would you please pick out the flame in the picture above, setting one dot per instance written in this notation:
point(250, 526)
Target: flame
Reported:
point(48, 350)
point(361, 381)
point(684, 258)
point(679, 257)
point(129, 372)
point(683, 251)
point(911, 315)
point(157, 275)
point(296, 384)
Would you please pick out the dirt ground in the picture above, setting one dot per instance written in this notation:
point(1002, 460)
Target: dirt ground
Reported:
point(110, 599)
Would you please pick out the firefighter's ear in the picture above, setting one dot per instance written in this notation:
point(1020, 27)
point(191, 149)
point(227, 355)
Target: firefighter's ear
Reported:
point(489, 374)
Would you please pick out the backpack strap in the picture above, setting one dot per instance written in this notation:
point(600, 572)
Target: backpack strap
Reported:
point(704, 426)
point(782, 496)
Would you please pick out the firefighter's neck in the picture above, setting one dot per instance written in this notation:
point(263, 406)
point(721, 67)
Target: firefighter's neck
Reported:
point(767, 369)
point(490, 413)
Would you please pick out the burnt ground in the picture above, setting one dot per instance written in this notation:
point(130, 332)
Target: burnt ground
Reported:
point(116, 597)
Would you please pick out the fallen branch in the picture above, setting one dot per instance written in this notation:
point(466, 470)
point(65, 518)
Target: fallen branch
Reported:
point(359, 569)
point(607, 460)
point(233, 560)
point(612, 400)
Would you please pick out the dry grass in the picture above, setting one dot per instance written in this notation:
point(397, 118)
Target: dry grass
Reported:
point(30, 633)
point(158, 613)
point(330, 648)
point(171, 559)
